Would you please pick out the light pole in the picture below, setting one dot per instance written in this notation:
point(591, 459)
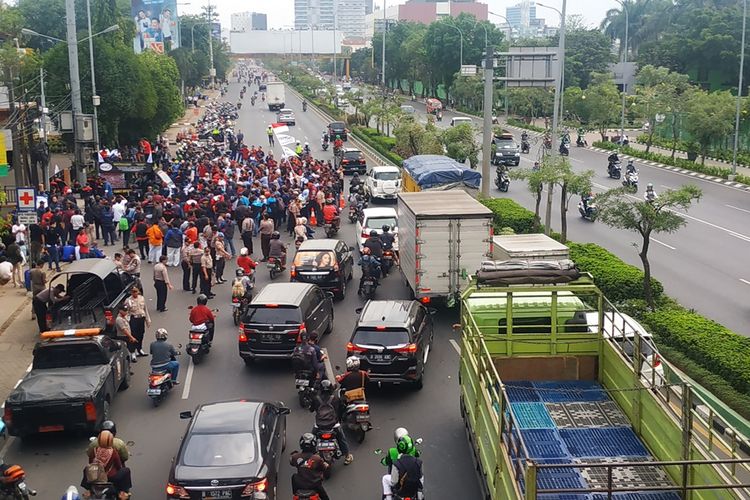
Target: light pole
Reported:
point(625, 60)
point(739, 92)
point(385, 31)
point(560, 71)
point(192, 35)
point(506, 66)
point(461, 45)
point(212, 71)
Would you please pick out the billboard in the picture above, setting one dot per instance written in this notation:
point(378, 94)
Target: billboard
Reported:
point(156, 25)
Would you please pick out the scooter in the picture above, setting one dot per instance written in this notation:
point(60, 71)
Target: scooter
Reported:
point(199, 344)
point(328, 447)
point(369, 285)
point(525, 147)
point(324, 145)
point(502, 181)
point(590, 213)
point(274, 267)
point(631, 182)
point(614, 170)
point(159, 384)
point(387, 262)
point(304, 383)
point(580, 142)
point(564, 150)
point(357, 418)
point(331, 229)
point(16, 489)
point(304, 107)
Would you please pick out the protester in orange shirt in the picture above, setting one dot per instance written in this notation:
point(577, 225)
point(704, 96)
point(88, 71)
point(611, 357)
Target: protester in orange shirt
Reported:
point(155, 242)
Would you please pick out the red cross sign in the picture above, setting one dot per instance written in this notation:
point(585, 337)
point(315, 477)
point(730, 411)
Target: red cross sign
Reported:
point(26, 199)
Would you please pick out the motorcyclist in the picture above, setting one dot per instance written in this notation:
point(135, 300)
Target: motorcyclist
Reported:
point(524, 136)
point(374, 244)
point(105, 466)
point(536, 166)
point(304, 106)
point(327, 408)
point(370, 267)
point(406, 478)
point(337, 144)
point(403, 442)
point(613, 158)
point(524, 141)
point(586, 199)
point(163, 354)
point(242, 285)
point(277, 249)
point(354, 378)
point(310, 467)
point(201, 314)
point(246, 262)
point(298, 149)
point(650, 194)
point(9, 475)
point(326, 138)
point(355, 180)
point(387, 239)
point(630, 168)
point(580, 141)
point(118, 444)
point(331, 213)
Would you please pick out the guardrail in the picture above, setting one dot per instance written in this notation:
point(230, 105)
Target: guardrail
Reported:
point(366, 148)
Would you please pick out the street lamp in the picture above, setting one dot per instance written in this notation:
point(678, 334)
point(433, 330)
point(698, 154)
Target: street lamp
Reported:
point(560, 70)
point(624, 60)
point(28, 32)
point(739, 91)
point(461, 46)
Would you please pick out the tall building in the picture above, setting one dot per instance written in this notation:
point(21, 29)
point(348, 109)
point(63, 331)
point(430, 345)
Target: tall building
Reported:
point(522, 17)
point(368, 7)
point(350, 17)
point(427, 11)
point(248, 21)
point(316, 13)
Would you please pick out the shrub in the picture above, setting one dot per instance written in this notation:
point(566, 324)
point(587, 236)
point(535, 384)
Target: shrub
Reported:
point(522, 124)
point(509, 214)
point(711, 345)
point(380, 143)
point(616, 279)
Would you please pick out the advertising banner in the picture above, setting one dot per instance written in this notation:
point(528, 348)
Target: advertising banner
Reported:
point(156, 25)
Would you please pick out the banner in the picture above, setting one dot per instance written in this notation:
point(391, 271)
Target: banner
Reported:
point(156, 25)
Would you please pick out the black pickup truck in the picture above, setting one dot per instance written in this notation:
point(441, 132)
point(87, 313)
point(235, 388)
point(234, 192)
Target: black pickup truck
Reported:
point(74, 378)
point(96, 289)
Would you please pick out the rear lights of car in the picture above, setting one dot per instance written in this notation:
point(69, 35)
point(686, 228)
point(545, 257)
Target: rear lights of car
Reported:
point(90, 409)
point(242, 336)
point(8, 416)
point(407, 349)
point(177, 491)
point(352, 348)
point(48, 320)
point(365, 234)
point(255, 487)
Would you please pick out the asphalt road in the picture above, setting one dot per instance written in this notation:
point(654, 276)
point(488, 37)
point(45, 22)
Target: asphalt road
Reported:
point(154, 434)
point(703, 265)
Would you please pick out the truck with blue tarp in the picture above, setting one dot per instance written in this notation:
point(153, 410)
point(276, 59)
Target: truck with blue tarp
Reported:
point(438, 173)
point(556, 406)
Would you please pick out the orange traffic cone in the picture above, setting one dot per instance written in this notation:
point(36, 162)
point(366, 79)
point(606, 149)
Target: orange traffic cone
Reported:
point(313, 219)
point(342, 201)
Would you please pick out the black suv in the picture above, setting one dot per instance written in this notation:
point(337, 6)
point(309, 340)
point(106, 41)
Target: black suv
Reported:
point(337, 128)
point(393, 340)
point(326, 263)
point(279, 315)
point(352, 160)
point(507, 151)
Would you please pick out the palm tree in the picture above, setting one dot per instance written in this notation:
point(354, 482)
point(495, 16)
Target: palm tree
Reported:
point(646, 20)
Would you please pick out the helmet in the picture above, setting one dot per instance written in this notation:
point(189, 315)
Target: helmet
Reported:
point(297, 143)
point(404, 444)
point(326, 386)
point(71, 494)
point(352, 363)
point(338, 136)
point(239, 273)
point(307, 143)
point(106, 439)
point(366, 251)
point(275, 235)
point(373, 233)
point(161, 334)
point(649, 186)
point(243, 251)
point(110, 426)
point(14, 473)
point(386, 228)
point(307, 442)
point(202, 299)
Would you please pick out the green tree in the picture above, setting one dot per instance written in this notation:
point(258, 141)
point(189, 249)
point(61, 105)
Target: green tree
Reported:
point(571, 184)
point(461, 144)
point(587, 51)
point(163, 74)
point(11, 20)
point(646, 19)
point(530, 103)
point(709, 118)
point(658, 92)
point(412, 138)
point(598, 106)
point(536, 179)
point(618, 209)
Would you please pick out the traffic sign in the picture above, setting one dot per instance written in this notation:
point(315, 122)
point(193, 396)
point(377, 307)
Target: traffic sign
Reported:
point(27, 218)
point(26, 199)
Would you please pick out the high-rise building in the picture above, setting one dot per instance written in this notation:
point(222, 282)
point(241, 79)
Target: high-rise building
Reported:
point(522, 16)
point(368, 7)
point(350, 17)
point(316, 13)
point(248, 21)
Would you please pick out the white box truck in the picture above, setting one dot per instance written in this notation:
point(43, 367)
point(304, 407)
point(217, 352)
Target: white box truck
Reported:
point(528, 247)
point(275, 95)
point(444, 236)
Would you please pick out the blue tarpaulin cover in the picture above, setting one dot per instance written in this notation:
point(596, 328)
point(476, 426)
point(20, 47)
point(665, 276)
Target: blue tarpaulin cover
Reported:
point(430, 171)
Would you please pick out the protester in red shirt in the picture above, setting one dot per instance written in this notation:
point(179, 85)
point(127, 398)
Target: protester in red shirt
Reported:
point(201, 314)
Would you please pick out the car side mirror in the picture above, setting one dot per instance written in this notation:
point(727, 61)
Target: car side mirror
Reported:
point(186, 414)
point(284, 410)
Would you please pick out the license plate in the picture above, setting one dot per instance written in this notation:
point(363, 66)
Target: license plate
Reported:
point(153, 392)
point(363, 417)
point(218, 494)
point(302, 382)
point(326, 445)
point(379, 357)
point(270, 337)
point(51, 428)
point(234, 304)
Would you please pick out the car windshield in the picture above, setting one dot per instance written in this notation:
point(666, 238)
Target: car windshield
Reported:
point(337, 126)
point(387, 337)
point(314, 258)
point(378, 222)
point(505, 143)
point(273, 315)
point(354, 155)
point(387, 176)
point(219, 450)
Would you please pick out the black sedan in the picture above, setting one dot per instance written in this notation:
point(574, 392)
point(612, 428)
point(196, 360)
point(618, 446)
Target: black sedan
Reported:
point(231, 450)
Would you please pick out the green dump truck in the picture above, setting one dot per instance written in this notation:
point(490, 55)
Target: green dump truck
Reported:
point(562, 400)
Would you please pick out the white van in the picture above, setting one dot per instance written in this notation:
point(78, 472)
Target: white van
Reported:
point(458, 120)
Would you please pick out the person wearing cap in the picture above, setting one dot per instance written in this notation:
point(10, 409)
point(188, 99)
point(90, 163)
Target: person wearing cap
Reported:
point(221, 257)
point(41, 301)
point(122, 332)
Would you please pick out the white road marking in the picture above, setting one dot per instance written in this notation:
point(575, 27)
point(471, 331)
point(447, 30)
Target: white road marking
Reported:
point(458, 349)
point(738, 208)
point(662, 243)
point(666, 187)
point(745, 281)
point(188, 379)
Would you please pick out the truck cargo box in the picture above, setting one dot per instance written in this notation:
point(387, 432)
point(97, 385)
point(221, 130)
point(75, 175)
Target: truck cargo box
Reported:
point(528, 247)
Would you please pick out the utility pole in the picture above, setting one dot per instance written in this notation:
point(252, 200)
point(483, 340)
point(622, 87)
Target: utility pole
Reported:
point(43, 134)
point(487, 136)
point(94, 97)
point(75, 87)
point(559, 82)
point(385, 31)
point(739, 92)
point(335, 73)
point(210, 45)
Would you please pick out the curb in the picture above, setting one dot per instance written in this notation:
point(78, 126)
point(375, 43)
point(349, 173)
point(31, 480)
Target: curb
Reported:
point(691, 173)
point(14, 315)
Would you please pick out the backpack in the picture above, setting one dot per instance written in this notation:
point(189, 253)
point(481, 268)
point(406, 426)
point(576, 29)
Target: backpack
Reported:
point(326, 415)
point(95, 472)
point(238, 291)
point(301, 359)
point(124, 225)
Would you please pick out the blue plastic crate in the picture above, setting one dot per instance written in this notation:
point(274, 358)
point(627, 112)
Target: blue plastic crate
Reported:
point(521, 392)
point(562, 478)
point(544, 443)
point(603, 443)
point(564, 496)
point(532, 416)
point(570, 391)
point(644, 495)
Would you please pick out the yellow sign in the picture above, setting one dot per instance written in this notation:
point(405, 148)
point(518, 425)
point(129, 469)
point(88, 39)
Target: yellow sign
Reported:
point(3, 155)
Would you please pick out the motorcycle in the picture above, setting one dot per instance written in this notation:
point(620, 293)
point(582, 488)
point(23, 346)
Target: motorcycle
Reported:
point(525, 147)
point(631, 182)
point(502, 181)
point(387, 262)
point(614, 170)
point(304, 107)
point(274, 267)
point(331, 229)
point(199, 344)
point(17, 489)
point(304, 383)
point(357, 418)
point(328, 447)
point(324, 145)
point(369, 284)
point(103, 491)
point(563, 149)
point(159, 384)
point(252, 101)
point(306, 495)
point(580, 142)
point(239, 307)
point(589, 213)
point(547, 143)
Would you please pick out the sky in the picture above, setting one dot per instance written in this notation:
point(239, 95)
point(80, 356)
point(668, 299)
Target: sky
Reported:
point(281, 12)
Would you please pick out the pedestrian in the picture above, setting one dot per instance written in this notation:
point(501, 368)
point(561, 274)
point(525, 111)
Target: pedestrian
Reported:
point(266, 230)
point(15, 257)
point(155, 242)
point(269, 131)
point(221, 257)
point(173, 239)
point(141, 237)
point(139, 318)
point(195, 254)
point(54, 236)
point(108, 225)
point(122, 332)
point(36, 238)
point(207, 265)
point(226, 226)
point(185, 264)
point(82, 244)
point(43, 299)
point(248, 228)
point(123, 226)
point(38, 282)
point(162, 284)
point(132, 264)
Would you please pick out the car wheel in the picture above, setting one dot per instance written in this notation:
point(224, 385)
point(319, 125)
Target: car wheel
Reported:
point(126, 380)
point(329, 328)
point(342, 290)
point(106, 412)
point(419, 383)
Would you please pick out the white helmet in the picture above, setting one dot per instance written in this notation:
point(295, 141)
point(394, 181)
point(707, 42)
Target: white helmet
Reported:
point(243, 251)
point(161, 334)
point(400, 433)
point(352, 363)
point(307, 143)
